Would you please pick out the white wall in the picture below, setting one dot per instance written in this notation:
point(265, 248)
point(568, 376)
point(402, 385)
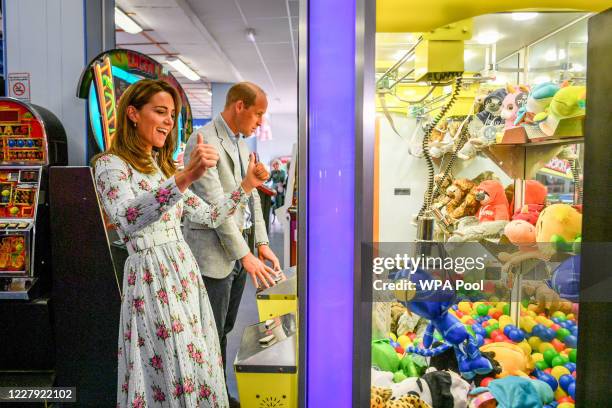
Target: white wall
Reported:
point(399, 169)
point(284, 135)
point(46, 39)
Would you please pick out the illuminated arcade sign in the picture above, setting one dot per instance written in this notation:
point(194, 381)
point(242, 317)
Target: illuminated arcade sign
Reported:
point(105, 80)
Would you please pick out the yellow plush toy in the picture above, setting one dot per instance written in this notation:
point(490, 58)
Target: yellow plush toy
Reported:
point(559, 220)
point(512, 359)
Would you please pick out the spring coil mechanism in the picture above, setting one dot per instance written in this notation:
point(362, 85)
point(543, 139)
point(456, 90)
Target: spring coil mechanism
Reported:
point(577, 187)
point(425, 145)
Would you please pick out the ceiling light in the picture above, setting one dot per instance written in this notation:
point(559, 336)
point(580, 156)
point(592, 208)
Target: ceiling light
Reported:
point(250, 35)
point(488, 37)
point(524, 16)
point(126, 23)
point(181, 67)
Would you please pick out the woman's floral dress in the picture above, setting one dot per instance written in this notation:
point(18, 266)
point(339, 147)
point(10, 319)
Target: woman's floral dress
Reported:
point(168, 347)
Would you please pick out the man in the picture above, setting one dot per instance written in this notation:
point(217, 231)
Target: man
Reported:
point(223, 254)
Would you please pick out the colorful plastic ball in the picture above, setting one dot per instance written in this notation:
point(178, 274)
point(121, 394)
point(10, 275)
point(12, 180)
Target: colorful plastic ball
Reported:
point(392, 337)
point(403, 340)
point(489, 330)
point(549, 355)
point(547, 334)
point(546, 346)
point(566, 405)
point(555, 327)
point(399, 350)
point(482, 309)
point(534, 342)
point(559, 361)
point(525, 347)
point(548, 379)
point(572, 355)
point(541, 365)
point(559, 371)
point(465, 307)
point(562, 333)
point(565, 380)
point(557, 345)
point(516, 335)
point(571, 389)
point(537, 357)
point(571, 341)
point(559, 393)
point(570, 366)
point(394, 344)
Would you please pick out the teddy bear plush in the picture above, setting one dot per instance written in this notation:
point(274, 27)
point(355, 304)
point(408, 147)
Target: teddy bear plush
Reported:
point(462, 203)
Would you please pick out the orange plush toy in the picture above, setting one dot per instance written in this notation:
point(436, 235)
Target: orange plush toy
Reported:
point(493, 201)
point(535, 199)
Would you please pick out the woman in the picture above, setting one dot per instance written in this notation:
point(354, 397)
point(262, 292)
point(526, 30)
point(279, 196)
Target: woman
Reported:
point(278, 177)
point(168, 347)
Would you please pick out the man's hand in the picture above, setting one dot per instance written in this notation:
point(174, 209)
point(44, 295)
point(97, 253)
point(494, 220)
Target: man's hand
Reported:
point(265, 254)
point(258, 271)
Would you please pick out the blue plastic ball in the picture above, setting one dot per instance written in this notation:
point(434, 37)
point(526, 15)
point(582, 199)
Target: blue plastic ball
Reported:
point(547, 334)
point(516, 336)
point(565, 380)
point(508, 329)
point(537, 330)
point(571, 341)
point(570, 366)
point(571, 390)
point(548, 379)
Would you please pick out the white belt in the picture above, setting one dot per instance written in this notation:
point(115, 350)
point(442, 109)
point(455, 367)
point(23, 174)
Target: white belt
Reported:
point(154, 239)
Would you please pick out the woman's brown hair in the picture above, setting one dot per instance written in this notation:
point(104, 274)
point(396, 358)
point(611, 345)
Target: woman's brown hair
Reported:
point(127, 144)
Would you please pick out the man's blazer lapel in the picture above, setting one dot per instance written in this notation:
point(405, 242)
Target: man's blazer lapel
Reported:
point(229, 146)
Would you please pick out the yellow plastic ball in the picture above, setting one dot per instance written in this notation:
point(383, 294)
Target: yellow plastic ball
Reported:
point(465, 319)
point(545, 321)
point(566, 405)
point(527, 323)
point(558, 371)
point(404, 341)
point(531, 313)
point(537, 357)
point(559, 393)
point(504, 321)
point(525, 347)
point(570, 316)
point(465, 307)
point(393, 337)
point(534, 342)
point(492, 321)
point(545, 346)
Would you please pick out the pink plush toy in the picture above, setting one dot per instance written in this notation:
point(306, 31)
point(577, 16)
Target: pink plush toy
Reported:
point(521, 233)
point(493, 201)
point(514, 100)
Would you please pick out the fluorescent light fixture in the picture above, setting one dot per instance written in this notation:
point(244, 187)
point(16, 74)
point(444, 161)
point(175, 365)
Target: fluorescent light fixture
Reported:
point(468, 54)
point(181, 67)
point(524, 16)
point(488, 37)
point(126, 23)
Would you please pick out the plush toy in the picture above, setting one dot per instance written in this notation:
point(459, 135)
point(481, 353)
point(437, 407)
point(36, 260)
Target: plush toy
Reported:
point(434, 388)
point(568, 102)
point(483, 128)
point(514, 100)
point(381, 398)
point(538, 100)
point(512, 359)
point(433, 305)
point(559, 224)
point(535, 199)
point(512, 392)
point(462, 203)
point(438, 139)
point(493, 201)
point(520, 233)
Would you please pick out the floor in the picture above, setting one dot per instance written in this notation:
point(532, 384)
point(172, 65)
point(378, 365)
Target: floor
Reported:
point(247, 313)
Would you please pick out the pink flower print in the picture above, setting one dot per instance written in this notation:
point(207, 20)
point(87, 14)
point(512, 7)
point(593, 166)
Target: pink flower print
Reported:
point(204, 391)
point(174, 264)
point(157, 363)
point(163, 196)
point(178, 389)
point(131, 278)
point(235, 196)
point(139, 304)
point(158, 394)
point(181, 254)
point(190, 348)
point(106, 158)
point(179, 211)
point(195, 354)
point(185, 284)
point(147, 277)
point(130, 173)
point(101, 185)
point(112, 193)
point(165, 217)
point(193, 276)
point(140, 341)
point(127, 336)
point(184, 296)
point(162, 331)
point(139, 401)
point(162, 295)
point(188, 386)
point(214, 214)
point(132, 214)
point(177, 326)
point(144, 185)
point(192, 202)
point(123, 176)
point(163, 270)
point(124, 387)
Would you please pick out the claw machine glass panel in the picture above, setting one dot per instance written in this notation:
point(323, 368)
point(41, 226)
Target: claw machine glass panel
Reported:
point(30, 138)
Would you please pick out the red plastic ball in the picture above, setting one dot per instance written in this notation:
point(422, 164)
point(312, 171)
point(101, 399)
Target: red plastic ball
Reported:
point(399, 349)
point(497, 314)
point(555, 327)
point(488, 341)
point(485, 381)
point(559, 346)
point(547, 370)
point(565, 399)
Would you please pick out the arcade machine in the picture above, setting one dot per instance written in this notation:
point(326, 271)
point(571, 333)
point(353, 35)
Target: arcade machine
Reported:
point(31, 140)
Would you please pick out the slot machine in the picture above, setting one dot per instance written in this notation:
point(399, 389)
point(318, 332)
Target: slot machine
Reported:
point(31, 139)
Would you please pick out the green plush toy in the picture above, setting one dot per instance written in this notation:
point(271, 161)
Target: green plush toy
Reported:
point(384, 356)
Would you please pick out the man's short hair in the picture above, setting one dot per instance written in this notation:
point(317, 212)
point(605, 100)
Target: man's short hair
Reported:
point(243, 91)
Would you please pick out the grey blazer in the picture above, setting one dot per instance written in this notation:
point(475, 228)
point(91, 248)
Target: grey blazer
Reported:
point(216, 250)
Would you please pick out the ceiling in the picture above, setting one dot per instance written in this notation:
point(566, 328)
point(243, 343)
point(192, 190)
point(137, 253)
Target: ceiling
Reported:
point(514, 35)
point(211, 37)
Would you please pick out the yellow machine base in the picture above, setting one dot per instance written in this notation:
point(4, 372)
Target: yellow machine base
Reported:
point(269, 308)
point(267, 390)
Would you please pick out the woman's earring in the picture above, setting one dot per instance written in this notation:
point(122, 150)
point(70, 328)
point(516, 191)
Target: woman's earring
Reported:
point(135, 124)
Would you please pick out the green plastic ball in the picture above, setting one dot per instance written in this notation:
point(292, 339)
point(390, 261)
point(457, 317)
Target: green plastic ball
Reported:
point(506, 309)
point(549, 355)
point(559, 360)
point(572, 355)
point(541, 365)
point(495, 326)
point(489, 329)
point(562, 333)
point(482, 310)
